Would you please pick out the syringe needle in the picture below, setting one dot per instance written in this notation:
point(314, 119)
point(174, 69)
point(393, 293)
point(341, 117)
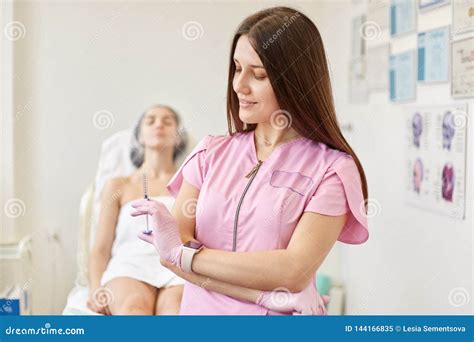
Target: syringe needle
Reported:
point(145, 194)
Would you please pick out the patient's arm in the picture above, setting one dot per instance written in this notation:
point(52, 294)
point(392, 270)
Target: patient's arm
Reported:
point(100, 253)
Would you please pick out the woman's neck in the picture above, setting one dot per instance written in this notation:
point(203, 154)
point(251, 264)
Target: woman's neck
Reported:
point(158, 163)
point(269, 137)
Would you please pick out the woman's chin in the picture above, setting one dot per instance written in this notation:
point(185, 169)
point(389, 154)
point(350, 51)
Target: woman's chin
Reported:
point(159, 145)
point(248, 117)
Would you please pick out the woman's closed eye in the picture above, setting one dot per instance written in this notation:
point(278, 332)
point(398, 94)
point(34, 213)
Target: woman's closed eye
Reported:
point(258, 76)
point(167, 122)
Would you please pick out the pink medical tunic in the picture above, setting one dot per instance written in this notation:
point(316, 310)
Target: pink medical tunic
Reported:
point(260, 212)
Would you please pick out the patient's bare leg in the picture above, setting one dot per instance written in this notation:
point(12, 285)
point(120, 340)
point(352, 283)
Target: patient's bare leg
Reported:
point(131, 297)
point(169, 300)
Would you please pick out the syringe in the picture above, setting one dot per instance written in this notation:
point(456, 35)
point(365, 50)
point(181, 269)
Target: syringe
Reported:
point(145, 194)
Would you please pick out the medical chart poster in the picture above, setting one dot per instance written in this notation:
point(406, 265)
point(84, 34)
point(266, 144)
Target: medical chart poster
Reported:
point(402, 17)
point(463, 16)
point(462, 73)
point(433, 55)
point(426, 5)
point(402, 76)
point(435, 169)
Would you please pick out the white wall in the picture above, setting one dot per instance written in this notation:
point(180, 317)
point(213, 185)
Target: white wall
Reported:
point(413, 258)
point(80, 58)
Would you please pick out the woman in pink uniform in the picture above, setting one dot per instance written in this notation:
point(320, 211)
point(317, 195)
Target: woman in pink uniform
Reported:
point(269, 200)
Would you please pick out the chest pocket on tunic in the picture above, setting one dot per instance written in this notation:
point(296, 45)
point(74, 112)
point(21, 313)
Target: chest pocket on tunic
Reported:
point(292, 189)
point(293, 181)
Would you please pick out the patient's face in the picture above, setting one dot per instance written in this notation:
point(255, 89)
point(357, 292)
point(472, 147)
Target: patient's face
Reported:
point(158, 129)
point(252, 84)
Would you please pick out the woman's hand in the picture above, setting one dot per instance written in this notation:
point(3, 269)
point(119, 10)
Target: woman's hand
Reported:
point(306, 302)
point(98, 300)
point(165, 236)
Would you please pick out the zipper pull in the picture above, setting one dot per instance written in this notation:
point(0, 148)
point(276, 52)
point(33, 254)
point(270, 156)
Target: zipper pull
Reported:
point(254, 169)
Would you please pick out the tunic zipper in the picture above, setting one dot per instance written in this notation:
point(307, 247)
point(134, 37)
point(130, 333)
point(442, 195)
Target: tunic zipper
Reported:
point(250, 175)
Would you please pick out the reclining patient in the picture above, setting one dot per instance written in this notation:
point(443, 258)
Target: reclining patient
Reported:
point(125, 270)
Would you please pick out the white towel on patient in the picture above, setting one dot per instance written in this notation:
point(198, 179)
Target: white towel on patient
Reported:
point(135, 258)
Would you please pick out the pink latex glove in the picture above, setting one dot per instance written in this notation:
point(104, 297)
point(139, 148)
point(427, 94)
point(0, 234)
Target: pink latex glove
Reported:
point(306, 302)
point(165, 236)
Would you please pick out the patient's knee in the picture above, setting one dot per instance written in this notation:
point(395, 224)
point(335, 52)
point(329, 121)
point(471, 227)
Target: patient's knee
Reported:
point(135, 305)
point(169, 301)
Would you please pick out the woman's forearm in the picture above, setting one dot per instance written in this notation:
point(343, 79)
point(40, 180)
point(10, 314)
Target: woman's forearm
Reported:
point(262, 271)
point(97, 267)
point(259, 271)
point(265, 270)
point(234, 291)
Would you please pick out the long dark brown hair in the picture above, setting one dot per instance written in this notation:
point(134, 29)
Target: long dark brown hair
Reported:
point(292, 52)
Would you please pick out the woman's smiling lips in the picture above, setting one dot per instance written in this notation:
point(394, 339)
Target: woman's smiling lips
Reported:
point(246, 103)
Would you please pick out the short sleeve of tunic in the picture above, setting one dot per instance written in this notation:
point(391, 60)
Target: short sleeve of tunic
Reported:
point(193, 169)
point(340, 192)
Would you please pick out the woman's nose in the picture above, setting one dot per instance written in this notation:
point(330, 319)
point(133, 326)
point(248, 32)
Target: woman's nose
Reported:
point(158, 127)
point(159, 124)
point(241, 85)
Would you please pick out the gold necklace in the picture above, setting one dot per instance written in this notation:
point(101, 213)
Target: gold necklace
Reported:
point(266, 142)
